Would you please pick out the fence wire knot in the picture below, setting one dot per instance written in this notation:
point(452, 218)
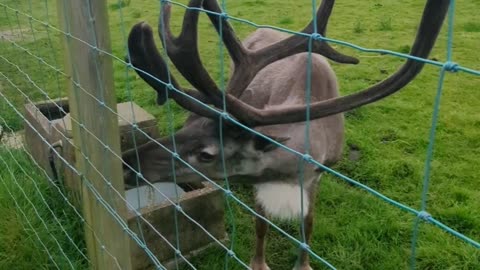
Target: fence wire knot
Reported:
point(223, 15)
point(225, 116)
point(424, 215)
point(307, 158)
point(316, 36)
point(304, 246)
point(451, 66)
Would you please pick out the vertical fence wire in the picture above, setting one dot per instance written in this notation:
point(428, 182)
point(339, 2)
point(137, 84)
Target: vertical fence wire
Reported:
point(171, 131)
point(134, 119)
point(223, 18)
point(423, 215)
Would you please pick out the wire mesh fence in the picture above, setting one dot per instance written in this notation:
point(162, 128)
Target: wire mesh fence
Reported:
point(36, 68)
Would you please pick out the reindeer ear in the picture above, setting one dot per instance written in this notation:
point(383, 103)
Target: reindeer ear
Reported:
point(262, 144)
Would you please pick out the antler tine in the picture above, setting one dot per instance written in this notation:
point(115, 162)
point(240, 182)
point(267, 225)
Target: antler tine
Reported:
point(235, 48)
point(249, 63)
point(243, 73)
point(183, 50)
point(432, 20)
point(322, 16)
point(299, 43)
point(137, 57)
point(145, 56)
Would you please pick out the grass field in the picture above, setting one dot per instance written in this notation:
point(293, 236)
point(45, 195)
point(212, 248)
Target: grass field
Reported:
point(353, 229)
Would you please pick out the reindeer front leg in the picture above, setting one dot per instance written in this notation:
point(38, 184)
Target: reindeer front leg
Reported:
point(261, 228)
point(303, 262)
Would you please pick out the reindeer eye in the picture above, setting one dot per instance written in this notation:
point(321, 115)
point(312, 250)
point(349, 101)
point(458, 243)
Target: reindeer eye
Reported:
point(206, 157)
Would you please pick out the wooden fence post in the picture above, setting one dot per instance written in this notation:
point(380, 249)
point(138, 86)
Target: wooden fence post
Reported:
point(87, 20)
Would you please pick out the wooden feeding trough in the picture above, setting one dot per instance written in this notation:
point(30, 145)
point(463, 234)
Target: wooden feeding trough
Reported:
point(202, 202)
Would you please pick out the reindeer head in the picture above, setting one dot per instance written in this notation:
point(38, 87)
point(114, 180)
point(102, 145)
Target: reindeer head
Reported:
point(198, 142)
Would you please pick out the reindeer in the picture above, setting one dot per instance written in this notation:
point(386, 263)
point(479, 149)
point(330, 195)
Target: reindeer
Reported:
point(266, 92)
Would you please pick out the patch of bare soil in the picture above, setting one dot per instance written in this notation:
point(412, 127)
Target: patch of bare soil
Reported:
point(11, 140)
point(16, 35)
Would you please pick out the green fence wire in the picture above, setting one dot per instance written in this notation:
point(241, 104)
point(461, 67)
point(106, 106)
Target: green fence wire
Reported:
point(13, 14)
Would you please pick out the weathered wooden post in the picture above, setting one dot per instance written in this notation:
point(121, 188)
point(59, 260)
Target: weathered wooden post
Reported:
point(101, 170)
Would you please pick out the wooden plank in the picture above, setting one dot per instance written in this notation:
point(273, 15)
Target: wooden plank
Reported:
point(192, 238)
point(87, 20)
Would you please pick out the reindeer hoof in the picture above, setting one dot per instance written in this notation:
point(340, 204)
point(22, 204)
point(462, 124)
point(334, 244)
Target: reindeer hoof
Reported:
point(259, 266)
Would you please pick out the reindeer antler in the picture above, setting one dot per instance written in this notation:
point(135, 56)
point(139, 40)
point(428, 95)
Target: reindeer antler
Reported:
point(249, 63)
point(145, 56)
point(183, 51)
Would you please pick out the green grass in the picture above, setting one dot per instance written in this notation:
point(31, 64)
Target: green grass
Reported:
point(285, 21)
point(353, 229)
point(471, 27)
point(358, 29)
point(119, 4)
point(35, 231)
point(385, 24)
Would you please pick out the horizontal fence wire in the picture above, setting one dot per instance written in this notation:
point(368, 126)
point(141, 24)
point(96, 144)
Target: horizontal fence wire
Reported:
point(229, 250)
